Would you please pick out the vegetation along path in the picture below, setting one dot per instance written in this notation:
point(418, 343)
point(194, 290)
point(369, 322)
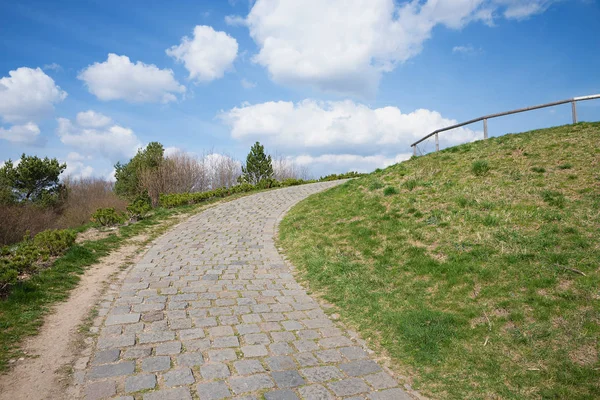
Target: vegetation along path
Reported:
point(212, 312)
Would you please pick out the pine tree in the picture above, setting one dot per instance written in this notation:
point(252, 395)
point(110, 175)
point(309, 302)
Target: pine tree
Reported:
point(259, 166)
point(34, 179)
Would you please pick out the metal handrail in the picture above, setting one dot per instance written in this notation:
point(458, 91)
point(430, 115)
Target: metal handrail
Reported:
point(573, 102)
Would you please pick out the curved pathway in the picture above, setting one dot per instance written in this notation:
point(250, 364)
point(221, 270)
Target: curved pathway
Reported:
point(213, 312)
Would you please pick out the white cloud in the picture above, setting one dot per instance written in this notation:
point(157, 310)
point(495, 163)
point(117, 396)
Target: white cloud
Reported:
point(346, 45)
point(523, 9)
point(28, 95)
point(53, 67)
point(338, 163)
point(119, 79)
point(337, 136)
point(113, 142)
point(207, 55)
point(468, 49)
point(336, 127)
point(235, 20)
point(92, 119)
point(246, 84)
point(27, 134)
point(76, 169)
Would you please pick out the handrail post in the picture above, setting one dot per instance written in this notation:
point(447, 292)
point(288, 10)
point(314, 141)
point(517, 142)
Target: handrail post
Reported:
point(415, 150)
point(437, 142)
point(485, 131)
point(574, 111)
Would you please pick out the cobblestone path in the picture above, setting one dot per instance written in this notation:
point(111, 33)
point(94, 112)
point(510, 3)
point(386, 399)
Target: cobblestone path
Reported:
point(212, 312)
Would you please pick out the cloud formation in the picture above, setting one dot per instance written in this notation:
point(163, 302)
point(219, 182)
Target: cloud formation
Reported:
point(28, 95)
point(345, 46)
point(118, 78)
point(28, 134)
point(111, 141)
point(336, 127)
point(207, 55)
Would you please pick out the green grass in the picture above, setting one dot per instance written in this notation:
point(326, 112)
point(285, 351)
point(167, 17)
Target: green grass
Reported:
point(480, 278)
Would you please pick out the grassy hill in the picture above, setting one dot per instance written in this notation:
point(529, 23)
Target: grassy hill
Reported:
point(477, 269)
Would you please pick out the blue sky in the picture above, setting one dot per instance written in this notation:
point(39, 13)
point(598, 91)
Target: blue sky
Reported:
point(335, 85)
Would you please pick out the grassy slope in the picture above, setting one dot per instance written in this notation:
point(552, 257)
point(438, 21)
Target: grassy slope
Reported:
point(473, 282)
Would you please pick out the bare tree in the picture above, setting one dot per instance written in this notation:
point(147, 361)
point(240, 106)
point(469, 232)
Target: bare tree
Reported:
point(285, 168)
point(223, 170)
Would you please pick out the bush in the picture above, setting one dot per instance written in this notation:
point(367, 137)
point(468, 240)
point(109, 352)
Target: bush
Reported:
point(54, 242)
point(25, 257)
point(107, 217)
point(139, 209)
point(480, 168)
point(390, 190)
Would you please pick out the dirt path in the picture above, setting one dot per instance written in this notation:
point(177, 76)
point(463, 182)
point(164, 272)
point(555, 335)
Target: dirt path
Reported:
point(52, 351)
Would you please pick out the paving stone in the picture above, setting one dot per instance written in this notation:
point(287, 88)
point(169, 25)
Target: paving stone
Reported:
point(283, 336)
point(153, 337)
point(322, 374)
point(181, 393)
point(111, 370)
point(137, 352)
point(140, 382)
point(257, 338)
point(190, 359)
point(381, 380)
point(306, 359)
point(287, 379)
point(213, 391)
point(222, 355)
point(153, 316)
point(292, 325)
point(178, 377)
point(247, 367)
point(337, 341)
point(281, 395)
point(244, 384)
point(155, 364)
point(360, 367)
point(214, 371)
point(244, 329)
point(100, 390)
point(354, 353)
point(254, 351)
point(226, 341)
point(390, 394)
point(170, 348)
point(329, 356)
point(281, 348)
point(121, 319)
point(315, 392)
point(220, 331)
point(348, 387)
point(106, 356)
point(305, 345)
point(194, 333)
point(280, 363)
point(116, 341)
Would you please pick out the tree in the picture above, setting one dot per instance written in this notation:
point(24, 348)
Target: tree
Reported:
point(259, 166)
point(128, 175)
point(33, 179)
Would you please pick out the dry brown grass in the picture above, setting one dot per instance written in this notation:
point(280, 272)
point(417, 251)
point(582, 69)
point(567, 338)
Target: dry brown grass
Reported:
point(84, 197)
